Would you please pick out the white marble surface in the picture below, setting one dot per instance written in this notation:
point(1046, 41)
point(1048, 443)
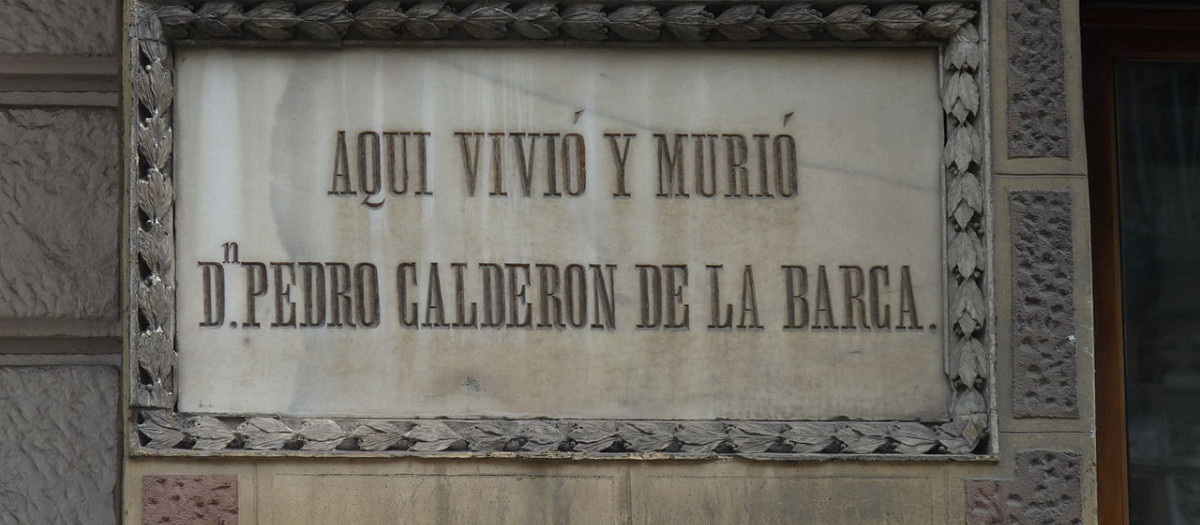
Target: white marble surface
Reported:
point(255, 153)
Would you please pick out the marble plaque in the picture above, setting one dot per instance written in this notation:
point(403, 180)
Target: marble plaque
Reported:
point(567, 233)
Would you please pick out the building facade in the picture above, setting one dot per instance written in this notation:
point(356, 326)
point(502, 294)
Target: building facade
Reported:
point(1064, 350)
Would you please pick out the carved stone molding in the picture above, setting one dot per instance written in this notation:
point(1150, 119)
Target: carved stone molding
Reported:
point(161, 430)
point(548, 20)
point(151, 231)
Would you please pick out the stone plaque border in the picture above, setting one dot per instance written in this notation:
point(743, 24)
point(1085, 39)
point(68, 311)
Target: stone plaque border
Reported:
point(157, 428)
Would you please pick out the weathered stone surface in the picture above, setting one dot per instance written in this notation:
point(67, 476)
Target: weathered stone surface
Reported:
point(58, 444)
point(1044, 367)
point(985, 505)
point(1046, 488)
point(824, 500)
point(60, 194)
point(451, 499)
point(1038, 123)
point(206, 499)
point(62, 27)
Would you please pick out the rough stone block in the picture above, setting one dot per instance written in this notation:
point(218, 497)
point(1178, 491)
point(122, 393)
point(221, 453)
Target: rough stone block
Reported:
point(1038, 122)
point(59, 438)
point(61, 27)
point(60, 196)
point(1046, 488)
point(1044, 367)
point(203, 499)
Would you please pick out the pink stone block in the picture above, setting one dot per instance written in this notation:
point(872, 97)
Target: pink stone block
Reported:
point(190, 499)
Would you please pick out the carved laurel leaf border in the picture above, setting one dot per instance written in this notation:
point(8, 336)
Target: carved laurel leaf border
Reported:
point(157, 428)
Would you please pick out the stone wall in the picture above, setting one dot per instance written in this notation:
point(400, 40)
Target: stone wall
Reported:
point(60, 347)
point(60, 208)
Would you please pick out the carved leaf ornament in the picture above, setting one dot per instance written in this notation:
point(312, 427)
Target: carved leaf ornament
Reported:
point(160, 429)
point(163, 429)
point(541, 20)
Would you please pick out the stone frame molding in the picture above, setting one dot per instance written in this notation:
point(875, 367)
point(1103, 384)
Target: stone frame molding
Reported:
point(158, 429)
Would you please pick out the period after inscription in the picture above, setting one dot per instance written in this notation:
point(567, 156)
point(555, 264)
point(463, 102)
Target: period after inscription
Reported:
point(564, 233)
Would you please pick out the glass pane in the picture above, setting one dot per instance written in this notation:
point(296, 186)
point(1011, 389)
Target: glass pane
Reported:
point(1158, 155)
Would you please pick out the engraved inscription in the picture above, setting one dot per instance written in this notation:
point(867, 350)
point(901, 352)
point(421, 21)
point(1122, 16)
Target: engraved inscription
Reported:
point(549, 296)
point(554, 164)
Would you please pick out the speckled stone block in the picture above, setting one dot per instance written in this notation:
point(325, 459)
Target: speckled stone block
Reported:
point(59, 438)
point(1038, 121)
point(1044, 367)
point(59, 213)
point(985, 502)
point(1046, 488)
point(61, 27)
point(207, 499)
